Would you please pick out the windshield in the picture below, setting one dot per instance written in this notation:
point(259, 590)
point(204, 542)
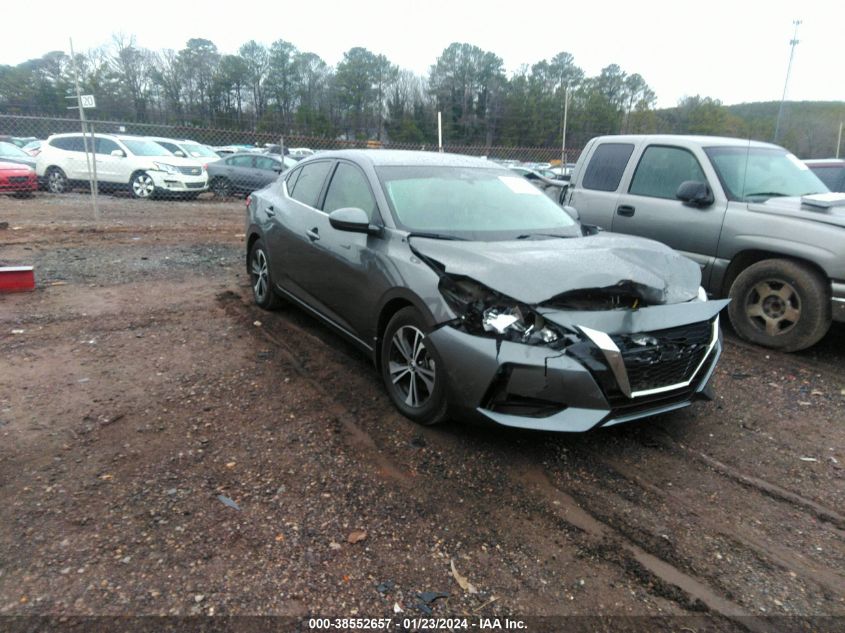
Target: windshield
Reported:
point(8, 150)
point(145, 148)
point(472, 203)
point(196, 150)
point(754, 173)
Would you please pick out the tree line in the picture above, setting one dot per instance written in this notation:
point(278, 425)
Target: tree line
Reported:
point(281, 89)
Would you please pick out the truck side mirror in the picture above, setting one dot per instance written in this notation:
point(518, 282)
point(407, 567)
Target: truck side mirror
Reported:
point(695, 194)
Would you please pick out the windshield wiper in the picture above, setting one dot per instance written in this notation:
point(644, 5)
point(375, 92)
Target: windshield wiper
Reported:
point(527, 236)
point(436, 236)
point(767, 194)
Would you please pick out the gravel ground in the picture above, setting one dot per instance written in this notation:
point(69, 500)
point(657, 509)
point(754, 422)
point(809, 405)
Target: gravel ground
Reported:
point(169, 449)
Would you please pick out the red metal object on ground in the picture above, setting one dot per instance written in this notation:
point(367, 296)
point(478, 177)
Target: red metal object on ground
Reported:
point(16, 278)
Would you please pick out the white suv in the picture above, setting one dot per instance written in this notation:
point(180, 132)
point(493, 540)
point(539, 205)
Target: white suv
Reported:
point(123, 162)
point(186, 148)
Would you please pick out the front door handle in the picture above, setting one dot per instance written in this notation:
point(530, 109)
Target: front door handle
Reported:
point(313, 234)
point(270, 211)
point(626, 210)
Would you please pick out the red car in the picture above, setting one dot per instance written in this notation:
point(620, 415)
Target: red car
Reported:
point(17, 179)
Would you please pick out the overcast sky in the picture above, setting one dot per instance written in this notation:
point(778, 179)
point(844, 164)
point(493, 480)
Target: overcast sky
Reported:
point(736, 51)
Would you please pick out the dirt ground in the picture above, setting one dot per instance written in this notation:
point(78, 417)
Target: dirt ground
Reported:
point(168, 448)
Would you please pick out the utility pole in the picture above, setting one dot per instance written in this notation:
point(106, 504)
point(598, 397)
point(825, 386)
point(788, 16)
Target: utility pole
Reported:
point(563, 125)
point(792, 43)
point(839, 139)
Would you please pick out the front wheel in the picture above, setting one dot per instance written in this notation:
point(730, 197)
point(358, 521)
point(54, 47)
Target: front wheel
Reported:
point(142, 186)
point(780, 304)
point(411, 370)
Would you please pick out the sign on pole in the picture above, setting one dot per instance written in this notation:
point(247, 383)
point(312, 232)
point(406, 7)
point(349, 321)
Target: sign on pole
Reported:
point(87, 101)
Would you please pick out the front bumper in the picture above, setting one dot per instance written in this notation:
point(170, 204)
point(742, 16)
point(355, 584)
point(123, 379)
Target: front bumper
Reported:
point(15, 182)
point(179, 183)
point(837, 301)
point(571, 390)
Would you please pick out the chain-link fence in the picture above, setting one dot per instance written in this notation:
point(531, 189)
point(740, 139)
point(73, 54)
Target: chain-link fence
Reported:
point(152, 160)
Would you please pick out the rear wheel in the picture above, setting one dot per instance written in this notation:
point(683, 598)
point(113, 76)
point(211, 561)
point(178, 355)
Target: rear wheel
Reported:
point(142, 185)
point(221, 187)
point(780, 304)
point(260, 280)
point(411, 369)
point(56, 180)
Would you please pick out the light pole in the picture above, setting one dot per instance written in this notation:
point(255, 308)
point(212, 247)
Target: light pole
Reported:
point(792, 43)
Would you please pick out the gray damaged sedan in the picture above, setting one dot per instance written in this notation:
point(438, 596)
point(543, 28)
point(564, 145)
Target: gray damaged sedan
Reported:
point(476, 295)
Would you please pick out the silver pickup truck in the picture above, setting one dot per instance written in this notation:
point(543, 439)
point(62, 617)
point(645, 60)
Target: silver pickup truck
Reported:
point(764, 229)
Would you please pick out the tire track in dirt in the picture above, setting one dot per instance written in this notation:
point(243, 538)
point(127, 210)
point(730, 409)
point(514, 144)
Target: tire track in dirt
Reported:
point(785, 558)
point(571, 512)
point(356, 437)
point(761, 485)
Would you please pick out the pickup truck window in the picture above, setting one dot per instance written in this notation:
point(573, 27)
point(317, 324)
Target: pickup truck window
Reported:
point(661, 171)
point(606, 166)
point(759, 173)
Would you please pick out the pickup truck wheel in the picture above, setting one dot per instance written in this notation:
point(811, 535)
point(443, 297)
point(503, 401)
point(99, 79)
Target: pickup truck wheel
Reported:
point(780, 304)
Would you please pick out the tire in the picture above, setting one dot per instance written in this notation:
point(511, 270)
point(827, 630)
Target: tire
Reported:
point(263, 292)
point(221, 187)
point(56, 181)
point(141, 186)
point(417, 389)
point(780, 304)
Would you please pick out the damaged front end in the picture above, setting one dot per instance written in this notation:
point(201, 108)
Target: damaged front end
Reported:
point(583, 359)
point(484, 312)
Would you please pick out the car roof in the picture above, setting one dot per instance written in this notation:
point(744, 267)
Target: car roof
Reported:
point(405, 158)
point(704, 141)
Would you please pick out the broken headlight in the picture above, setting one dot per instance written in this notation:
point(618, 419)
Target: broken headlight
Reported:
point(484, 312)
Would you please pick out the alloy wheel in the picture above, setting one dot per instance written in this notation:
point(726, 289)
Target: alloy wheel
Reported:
point(259, 276)
point(56, 182)
point(143, 186)
point(412, 369)
point(773, 306)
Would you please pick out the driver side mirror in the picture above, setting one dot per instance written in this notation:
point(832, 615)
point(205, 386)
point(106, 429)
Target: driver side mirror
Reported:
point(354, 220)
point(695, 194)
point(179, 153)
point(119, 153)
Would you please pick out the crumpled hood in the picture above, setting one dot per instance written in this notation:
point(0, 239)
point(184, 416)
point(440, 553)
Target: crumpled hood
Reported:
point(534, 271)
point(794, 207)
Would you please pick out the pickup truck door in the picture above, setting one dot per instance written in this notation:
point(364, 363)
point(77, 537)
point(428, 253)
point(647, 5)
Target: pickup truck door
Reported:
point(648, 207)
point(596, 190)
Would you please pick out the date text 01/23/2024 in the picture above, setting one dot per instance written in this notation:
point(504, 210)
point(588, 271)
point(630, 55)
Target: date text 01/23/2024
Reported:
point(416, 624)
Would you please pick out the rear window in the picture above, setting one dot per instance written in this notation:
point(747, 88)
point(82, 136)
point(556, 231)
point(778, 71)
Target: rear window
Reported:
point(606, 166)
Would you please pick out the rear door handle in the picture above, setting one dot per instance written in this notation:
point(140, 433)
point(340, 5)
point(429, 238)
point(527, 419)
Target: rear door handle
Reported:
point(626, 210)
point(313, 234)
point(270, 211)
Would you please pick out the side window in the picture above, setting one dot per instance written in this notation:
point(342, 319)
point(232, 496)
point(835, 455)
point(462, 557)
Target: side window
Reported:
point(830, 176)
point(240, 161)
point(607, 165)
point(106, 146)
point(310, 182)
point(291, 179)
point(662, 170)
point(262, 162)
point(349, 188)
point(69, 143)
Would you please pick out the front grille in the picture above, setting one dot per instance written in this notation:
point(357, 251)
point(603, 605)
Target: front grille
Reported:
point(191, 171)
point(664, 357)
point(195, 185)
point(18, 179)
